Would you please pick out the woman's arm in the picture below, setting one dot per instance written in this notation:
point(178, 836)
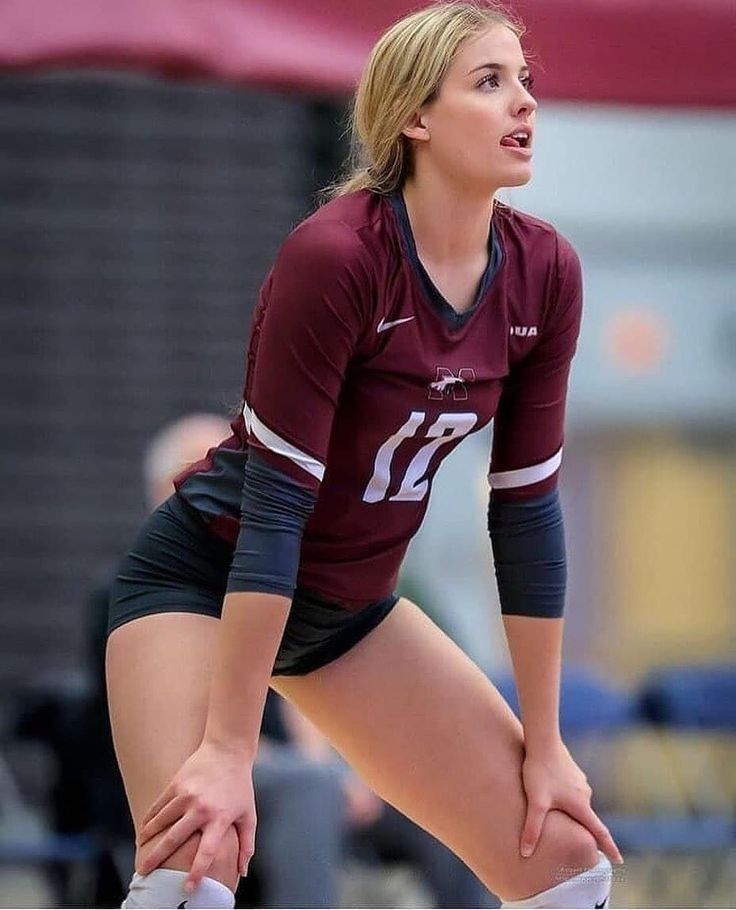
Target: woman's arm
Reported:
point(527, 535)
point(535, 644)
point(524, 516)
point(251, 631)
point(317, 296)
point(551, 778)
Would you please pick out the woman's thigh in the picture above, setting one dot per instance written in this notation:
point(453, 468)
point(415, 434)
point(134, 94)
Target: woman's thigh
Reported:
point(432, 735)
point(159, 669)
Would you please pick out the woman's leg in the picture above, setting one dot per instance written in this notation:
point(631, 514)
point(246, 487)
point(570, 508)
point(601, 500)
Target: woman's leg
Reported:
point(431, 734)
point(158, 678)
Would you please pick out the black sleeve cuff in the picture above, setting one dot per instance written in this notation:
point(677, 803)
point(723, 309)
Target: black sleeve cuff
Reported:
point(528, 543)
point(274, 511)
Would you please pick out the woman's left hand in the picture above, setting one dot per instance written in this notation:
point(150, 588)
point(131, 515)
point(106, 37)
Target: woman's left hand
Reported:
point(552, 780)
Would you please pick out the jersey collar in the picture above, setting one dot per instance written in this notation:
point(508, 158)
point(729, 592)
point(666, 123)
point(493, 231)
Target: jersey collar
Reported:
point(453, 319)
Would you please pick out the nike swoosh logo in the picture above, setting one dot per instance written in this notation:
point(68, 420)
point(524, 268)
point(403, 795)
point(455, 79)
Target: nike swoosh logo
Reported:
point(383, 325)
point(182, 905)
point(603, 904)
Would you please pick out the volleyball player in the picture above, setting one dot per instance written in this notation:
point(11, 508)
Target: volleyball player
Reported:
point(403, 315)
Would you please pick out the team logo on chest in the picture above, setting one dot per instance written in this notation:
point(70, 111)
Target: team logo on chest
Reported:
point(523, 331)
point(448, 383)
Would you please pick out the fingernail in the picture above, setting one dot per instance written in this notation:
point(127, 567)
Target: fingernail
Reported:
point(244, 871)
point(189, 887)
point(526, 850)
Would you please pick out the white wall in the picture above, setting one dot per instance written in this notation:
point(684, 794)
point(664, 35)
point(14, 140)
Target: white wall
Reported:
point(648, 198)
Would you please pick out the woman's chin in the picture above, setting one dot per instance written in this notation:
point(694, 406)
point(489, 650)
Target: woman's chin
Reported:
point(521, 179)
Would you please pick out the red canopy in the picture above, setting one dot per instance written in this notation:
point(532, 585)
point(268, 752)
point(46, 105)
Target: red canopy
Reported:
point(655, 52)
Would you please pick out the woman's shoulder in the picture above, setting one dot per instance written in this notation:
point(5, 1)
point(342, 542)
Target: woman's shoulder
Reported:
point(533, 237)
point(327, 255)
point(338, 229)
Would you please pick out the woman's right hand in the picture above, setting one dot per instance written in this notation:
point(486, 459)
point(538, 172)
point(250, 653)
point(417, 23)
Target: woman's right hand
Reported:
point(212, 790)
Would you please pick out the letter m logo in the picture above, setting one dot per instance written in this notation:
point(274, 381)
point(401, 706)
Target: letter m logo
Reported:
point(448, 383)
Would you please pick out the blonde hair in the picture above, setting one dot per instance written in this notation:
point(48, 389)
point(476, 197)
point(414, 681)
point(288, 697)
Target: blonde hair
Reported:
point(404, 71)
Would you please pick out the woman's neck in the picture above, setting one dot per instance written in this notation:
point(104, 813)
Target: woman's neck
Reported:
point(450, 228)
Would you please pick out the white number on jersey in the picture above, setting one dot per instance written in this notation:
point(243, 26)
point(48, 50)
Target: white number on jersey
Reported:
point(413, 488)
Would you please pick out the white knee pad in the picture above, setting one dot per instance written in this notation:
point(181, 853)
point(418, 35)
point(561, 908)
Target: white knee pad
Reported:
point(591, 888)
point(165, 888)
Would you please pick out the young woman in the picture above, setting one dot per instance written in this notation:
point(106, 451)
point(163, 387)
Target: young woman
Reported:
point(404, 314)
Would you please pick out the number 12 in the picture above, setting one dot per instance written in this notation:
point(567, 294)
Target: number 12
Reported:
point(413, 488)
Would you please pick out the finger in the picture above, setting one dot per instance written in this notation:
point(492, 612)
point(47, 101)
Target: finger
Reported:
point(158, 804)
point(205, 855)
point(535, 815)
point(246, 840)
point(170, 813)
point(601, 833)
point(177, 835)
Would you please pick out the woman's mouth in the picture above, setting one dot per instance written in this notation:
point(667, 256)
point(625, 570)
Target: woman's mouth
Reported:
point(519, 141)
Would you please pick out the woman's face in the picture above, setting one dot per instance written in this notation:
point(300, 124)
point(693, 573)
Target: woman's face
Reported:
point(484, 97)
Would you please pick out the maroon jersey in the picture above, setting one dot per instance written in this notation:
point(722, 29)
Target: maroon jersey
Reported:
point(361, 379)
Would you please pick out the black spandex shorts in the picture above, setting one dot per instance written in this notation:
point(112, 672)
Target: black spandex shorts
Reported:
point(177, 565)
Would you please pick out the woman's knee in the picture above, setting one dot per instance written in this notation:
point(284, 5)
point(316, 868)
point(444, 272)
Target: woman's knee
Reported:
point(224, 867)
point(572, 846)
point(565, 849)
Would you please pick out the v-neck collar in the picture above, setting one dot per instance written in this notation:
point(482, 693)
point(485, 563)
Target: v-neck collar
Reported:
point(453, 319)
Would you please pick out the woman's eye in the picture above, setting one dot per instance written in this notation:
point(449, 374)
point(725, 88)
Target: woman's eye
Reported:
point(492, 80)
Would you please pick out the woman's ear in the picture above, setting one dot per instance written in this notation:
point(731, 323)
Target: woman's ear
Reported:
point(416, 128)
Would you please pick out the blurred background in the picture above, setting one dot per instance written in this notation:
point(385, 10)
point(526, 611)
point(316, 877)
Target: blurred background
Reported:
point(152, 159)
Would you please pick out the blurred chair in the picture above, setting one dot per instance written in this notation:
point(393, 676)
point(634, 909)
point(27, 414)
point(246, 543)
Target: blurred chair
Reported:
point(588, 704)
point(691, 709)
point(691, 712)
point(694, 697)
point(53, 714)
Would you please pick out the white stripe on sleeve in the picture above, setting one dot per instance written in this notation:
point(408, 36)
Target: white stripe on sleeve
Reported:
point(522, 477)
point(280, 446)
